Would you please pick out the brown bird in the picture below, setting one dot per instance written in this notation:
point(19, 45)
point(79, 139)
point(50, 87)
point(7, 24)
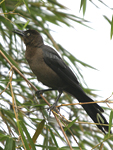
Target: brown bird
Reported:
point(52, 71)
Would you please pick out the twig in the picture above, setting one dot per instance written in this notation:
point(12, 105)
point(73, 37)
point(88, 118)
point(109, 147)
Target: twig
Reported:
point(15, 106)
point(104, 101)
point(80, 122)
point(63, 132)
point(18, 71)
point(2, 2)
point(102, 142)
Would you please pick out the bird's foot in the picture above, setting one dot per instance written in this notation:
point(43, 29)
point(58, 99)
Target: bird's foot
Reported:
point(38, 93)
point(54, 108)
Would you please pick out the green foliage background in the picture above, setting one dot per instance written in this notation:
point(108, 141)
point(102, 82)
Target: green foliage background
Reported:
point(22, 116)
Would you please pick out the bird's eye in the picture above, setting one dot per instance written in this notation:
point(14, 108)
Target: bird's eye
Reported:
point(28, 34)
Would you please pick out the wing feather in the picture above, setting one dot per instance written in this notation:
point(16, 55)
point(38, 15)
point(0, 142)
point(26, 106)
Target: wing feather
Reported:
point(54, 61)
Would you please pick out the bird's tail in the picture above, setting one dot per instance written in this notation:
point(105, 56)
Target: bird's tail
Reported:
point(93, 110)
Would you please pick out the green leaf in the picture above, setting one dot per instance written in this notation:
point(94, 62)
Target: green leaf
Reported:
point(83, 5)
point(28, 135)
point(111, 28)
point(100, 118)
point(110, 121)
point(103, 3)
point(26, 3)
point(70, 124)
point(11, 59)
point(10, 144)
point(22, 135)
point(3, 7)
point(53, 137)
point(107, 19)
point(38, 130)
point(26, 24)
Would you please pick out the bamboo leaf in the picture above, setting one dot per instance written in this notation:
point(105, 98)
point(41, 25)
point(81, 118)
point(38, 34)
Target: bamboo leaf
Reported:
point(111, 28)
point(110, 121)
point(3, 7)
point(107, 19)
point(83, 5)
point(28, 135)
point(53, 137)
point(26, 3)
point(70, 124)
point(26, 24)
point(22, 135)
point(38, 130)
point(10, 144)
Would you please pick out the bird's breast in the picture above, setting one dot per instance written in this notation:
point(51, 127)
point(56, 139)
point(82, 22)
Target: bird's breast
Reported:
point(43, 72)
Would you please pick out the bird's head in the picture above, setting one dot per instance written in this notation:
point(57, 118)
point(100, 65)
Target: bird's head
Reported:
point(30, 37)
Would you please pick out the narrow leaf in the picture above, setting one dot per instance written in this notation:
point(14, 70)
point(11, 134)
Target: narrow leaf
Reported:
point(22, 136)
point(26, 24)
point(54, 139)
point(10, 144)
point(28, 135)
point(84, 7)
point(112, 27)
point(26, 3)
point(81, 4)
point(107, 19)
point(3, 7)
point(110, 121)
point(38, 130)
point(70, 124)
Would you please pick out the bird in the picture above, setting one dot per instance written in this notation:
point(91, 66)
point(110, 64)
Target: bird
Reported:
point(52, 71)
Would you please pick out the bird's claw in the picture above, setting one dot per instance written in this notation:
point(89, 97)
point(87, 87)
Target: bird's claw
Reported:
point(53, 107)
point(38, 93)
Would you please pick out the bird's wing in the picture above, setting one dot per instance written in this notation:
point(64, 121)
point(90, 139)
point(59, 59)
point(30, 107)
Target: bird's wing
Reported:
point(54, 61)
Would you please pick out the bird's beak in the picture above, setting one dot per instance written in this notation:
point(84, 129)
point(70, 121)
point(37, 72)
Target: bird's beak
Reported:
point(19, 32)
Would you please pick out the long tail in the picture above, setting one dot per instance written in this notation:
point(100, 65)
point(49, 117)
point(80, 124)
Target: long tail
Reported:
point(93, 110)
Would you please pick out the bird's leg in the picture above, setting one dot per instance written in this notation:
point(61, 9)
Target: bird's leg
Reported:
point(55, 104)
point(41, 92)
